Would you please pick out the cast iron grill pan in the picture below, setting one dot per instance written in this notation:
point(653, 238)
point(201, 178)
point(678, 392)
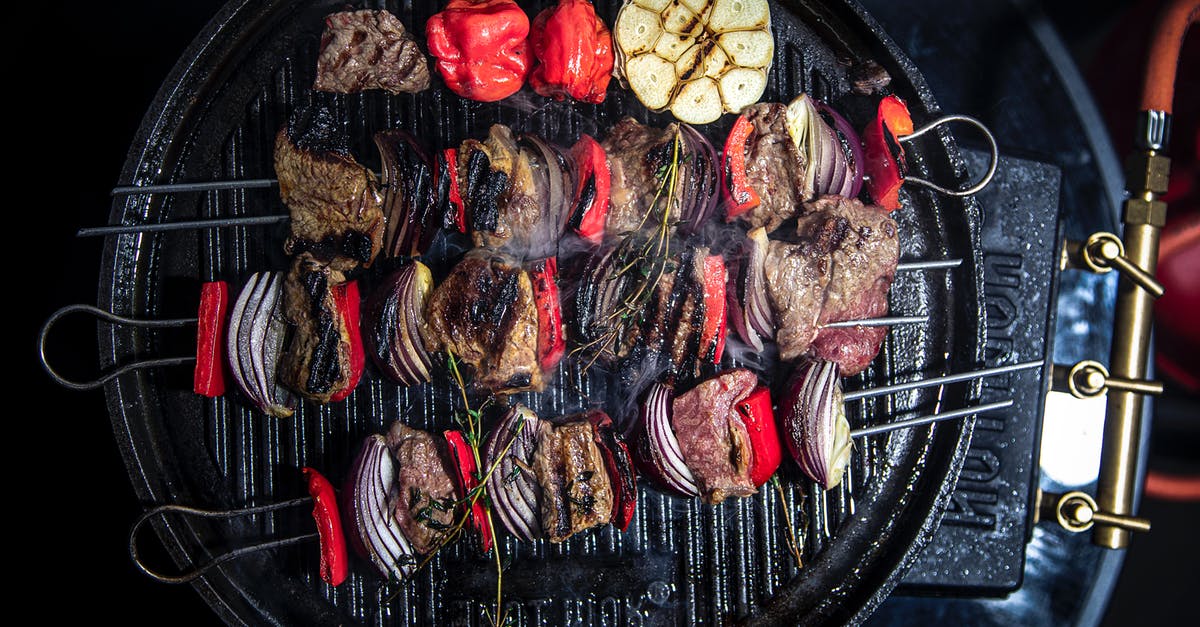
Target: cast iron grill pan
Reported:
point(680, 562)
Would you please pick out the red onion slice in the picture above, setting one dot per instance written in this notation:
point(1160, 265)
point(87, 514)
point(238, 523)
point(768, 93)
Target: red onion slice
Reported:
point(815, 425)
point(851, 147)
point(756, 304)
point(832, 167)
point(515, 493)
point(395, 337)
point(368, 497)
point(701, 178)
point(255, 342)
point(658, 452)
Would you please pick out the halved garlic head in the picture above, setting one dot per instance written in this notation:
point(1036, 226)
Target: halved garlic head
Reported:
point(698, 58)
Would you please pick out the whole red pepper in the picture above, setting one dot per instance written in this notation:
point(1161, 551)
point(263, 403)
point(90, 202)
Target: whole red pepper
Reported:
point(573, 49)
point(209, 376)
point(335, 565)
point(347, 298)
point(551, 342)
point(883, 155)
point(481, 47)
point(758, 415)
point(739, 194)
point(468, 479)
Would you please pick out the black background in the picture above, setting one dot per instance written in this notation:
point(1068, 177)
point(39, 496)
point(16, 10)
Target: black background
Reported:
point(79, 79)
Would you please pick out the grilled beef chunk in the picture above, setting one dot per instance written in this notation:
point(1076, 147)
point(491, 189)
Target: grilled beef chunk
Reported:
point(424, 487)
point(840, 269)
point(863, 266)
point(506, 191)
point(484, 313)
point(712, 437)
point(316, 360)
point(635, 154)
point(577, 493)
point(774, 167)
point(363, 50)
point(334, 202)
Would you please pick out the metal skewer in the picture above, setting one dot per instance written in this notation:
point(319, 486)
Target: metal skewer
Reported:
point(937, 264)
point(100, 231)
point(950, 378)
point(123, 190)
point(924, 420)
point(876, 322)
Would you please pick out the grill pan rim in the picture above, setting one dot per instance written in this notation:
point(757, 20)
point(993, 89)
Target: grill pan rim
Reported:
point(167, 118)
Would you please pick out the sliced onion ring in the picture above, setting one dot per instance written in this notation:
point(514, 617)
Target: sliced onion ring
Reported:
point(657, 451)
point(368, 497)
point(815, 425)
point(255, 342)
point(515, 493)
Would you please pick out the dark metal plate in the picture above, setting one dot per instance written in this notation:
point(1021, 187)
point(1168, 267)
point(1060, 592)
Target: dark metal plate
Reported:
point(680, 562)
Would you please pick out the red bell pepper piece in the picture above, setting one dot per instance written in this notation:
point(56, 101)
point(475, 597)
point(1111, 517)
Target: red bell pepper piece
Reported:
point(347, 299)
point(740, 196)
point(552, 342)
point(712, 335)
point(756, 412)
point(335, 564)
point(209, 376)
point(468, 479)
point(619, 464)
point(883, 155)
point(589, 208)
point(574, 49)
point(447, 179)
point(481, 47)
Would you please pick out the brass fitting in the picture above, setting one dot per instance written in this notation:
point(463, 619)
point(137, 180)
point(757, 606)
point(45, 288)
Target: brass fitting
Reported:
point(1142, 211)
point(1147, 172)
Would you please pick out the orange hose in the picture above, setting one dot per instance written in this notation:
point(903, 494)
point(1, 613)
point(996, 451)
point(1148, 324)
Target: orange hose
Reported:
point(1171, 487)
point(1159, 89)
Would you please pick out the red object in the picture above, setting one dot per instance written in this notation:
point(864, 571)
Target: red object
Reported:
point(573, 51)
point(480, 47)
point(468, 479)
point(882, 153)
point(756, 411)
point(713, 332)
point(589, 208)
point(347, 299)
point(739, 195)
point(552, 343)
point(448, 170)
point(209, 377)
point(1172, 487)
point(619, 464)
point(335, 564)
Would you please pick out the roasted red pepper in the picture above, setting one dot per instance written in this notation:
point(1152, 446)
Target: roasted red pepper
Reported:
point(445, 182)
point(480, 47)
point(758, 415)
point(573, 51)
point(883, 155)
point(468, 479)
point(619, 464)
point(712, 335)
point(589, 208)
point(335, 565)
point(209, 377)
point(740, 196)
point(551, 341)
point(347, 299)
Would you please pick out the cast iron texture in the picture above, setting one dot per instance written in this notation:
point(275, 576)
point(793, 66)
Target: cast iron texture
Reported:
point(680, 562)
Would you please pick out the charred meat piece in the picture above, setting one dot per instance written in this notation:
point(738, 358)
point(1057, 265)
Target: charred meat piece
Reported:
point(577, 493)
point(774, 167)
point(636, 153)
point(507, 191)
point(363, 50)
point(335, 206)
point(425, 491)
point(840, 269)
point(316, 359)
point(712, 437)
point(863, 266)
point(485, 314)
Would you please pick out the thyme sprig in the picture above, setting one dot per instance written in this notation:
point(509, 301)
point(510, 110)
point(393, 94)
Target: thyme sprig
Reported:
point(793, 546)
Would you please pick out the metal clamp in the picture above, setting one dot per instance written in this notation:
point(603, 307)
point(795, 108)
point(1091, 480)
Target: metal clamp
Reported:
point(1103, 252)
point(993, 163)
point(1077, 512)
point(1088, 379)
